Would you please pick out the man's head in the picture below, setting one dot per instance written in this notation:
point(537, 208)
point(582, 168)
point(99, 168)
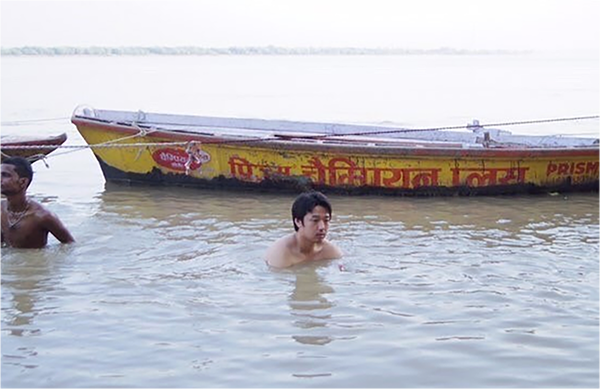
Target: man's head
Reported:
point(16, 175)
point(305, 204)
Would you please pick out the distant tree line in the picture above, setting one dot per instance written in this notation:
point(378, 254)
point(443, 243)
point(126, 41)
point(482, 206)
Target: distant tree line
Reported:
point(256, 50)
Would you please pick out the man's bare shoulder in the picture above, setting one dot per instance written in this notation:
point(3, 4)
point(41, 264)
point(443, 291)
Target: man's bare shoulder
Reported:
point(50, 221)
point(278, 254)
point(332, 251)
point(40, 211)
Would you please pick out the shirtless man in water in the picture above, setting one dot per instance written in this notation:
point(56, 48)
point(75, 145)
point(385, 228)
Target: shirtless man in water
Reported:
point(25, 223)
point(311, 214)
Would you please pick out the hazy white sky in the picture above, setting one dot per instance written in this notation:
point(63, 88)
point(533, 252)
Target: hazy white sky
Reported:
point(428, 24)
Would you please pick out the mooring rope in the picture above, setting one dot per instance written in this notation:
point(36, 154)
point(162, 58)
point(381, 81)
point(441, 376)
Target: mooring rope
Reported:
point(468, 126)
point(115, 143)
point(403, 130)
point(27, 121)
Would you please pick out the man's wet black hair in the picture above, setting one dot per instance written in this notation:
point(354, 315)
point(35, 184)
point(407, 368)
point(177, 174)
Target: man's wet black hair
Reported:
point(22, 167)
point(306, 202)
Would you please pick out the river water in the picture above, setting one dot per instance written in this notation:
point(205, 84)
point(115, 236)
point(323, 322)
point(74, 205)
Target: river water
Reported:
point(166, 287)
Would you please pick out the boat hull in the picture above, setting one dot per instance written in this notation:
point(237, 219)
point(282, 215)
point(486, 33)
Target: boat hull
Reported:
point(32, 148)
point(156, 159)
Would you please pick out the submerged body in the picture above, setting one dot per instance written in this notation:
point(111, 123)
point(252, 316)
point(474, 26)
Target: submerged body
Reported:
point(311, 214)
point(292, 250)
point(26, 223)
point(31, 226)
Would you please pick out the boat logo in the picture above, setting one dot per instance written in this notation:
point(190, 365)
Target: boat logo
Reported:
point(177, 159)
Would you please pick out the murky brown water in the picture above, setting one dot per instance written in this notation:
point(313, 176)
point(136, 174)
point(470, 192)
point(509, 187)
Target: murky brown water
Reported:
point(166, 287)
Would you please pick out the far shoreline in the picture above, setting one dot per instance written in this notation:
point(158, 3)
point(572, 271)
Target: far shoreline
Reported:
point(241, 51)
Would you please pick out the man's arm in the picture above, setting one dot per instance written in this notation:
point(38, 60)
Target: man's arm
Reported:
point(57, 228)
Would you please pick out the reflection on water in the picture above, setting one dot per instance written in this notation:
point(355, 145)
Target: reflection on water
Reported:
point(28, 278)
point(173, 280)
point(309, 305)
point(28, 275)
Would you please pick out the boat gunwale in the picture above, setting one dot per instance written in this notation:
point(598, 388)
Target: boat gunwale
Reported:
point(25, 140)
point(32, 148)
point(326, 145)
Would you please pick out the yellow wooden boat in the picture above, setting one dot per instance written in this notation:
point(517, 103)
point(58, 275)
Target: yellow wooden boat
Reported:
point(210, 152)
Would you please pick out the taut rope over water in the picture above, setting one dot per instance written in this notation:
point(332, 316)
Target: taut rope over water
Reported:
point(193, 147)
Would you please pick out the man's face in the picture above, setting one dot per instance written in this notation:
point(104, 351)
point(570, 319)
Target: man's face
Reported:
point(11, 183)
point(315, 224)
